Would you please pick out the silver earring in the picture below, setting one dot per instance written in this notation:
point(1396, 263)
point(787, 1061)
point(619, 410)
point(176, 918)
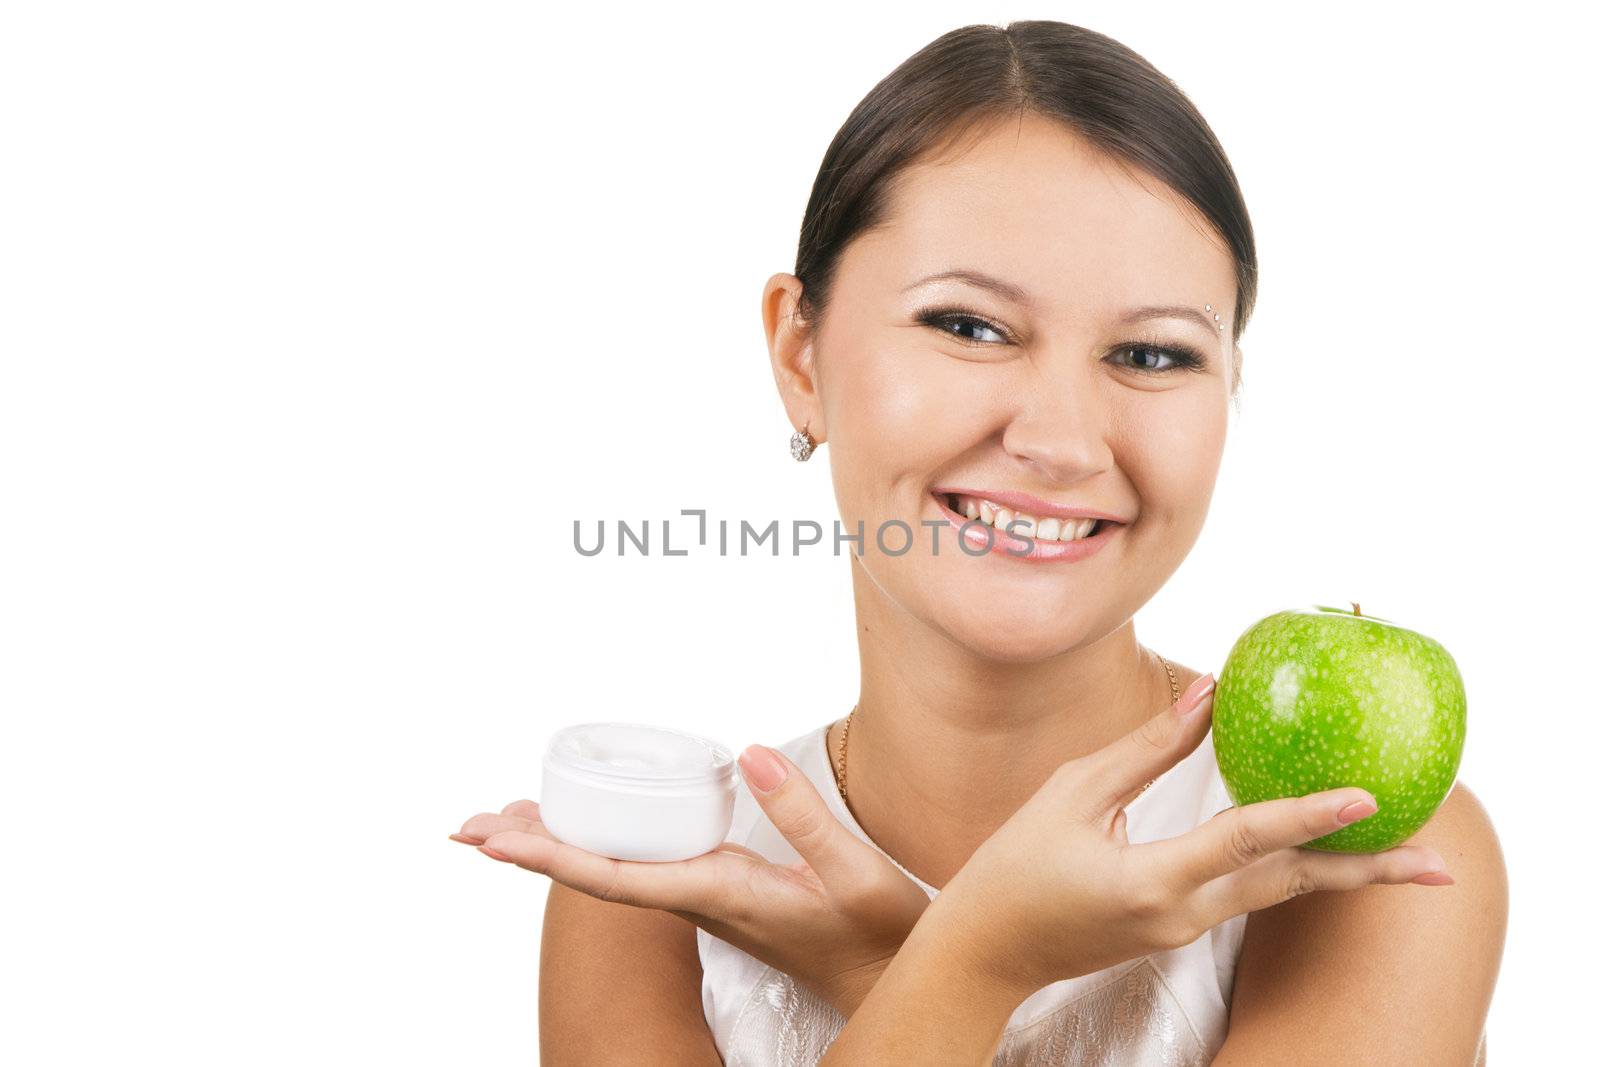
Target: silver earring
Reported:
point(801, 445)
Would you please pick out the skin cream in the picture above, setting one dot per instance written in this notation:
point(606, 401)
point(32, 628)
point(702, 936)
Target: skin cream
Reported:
point(634, 792)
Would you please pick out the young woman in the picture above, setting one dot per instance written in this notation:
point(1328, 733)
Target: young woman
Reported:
point(1022, 278)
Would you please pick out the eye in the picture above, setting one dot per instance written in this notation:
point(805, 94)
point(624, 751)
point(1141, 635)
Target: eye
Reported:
point(1146, 356)
point(953, 320)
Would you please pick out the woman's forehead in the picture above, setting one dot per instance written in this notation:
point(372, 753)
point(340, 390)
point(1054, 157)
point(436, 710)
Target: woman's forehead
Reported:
point(1035, 203)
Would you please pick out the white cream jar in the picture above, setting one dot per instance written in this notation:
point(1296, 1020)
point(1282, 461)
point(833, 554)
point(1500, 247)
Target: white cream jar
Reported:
point(636, 792)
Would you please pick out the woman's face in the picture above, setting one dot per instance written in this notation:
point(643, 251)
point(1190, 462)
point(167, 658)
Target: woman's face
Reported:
point(1055, 394)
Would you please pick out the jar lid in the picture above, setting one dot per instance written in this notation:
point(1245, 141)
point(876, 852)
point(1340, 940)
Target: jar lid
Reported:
point(639, 754)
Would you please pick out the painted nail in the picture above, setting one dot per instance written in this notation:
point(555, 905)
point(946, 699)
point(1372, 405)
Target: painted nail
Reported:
point(1434, 878)
point(1358, 810)
point(762, 769)
point(1195, 696)
point(492, 854)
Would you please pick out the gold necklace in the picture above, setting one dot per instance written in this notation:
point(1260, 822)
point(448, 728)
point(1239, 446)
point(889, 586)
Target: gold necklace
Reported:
point(844, 735)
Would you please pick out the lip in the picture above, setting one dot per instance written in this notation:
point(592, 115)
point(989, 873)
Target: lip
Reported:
point(1012, 547)
point(1031, 504)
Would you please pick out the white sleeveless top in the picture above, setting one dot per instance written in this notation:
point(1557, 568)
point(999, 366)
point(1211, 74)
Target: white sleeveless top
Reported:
point(1169, 1008)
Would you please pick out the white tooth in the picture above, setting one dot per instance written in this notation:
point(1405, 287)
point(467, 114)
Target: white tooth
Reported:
point(986, 512)
point(1049, 529)
point(969, 507)
point(1081, 528)
point(1002, 519)
point(1026, 524)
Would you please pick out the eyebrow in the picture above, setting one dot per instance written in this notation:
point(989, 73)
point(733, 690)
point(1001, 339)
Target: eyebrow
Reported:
point(1015, 293)
point(1018, 295)
point(1171, 311)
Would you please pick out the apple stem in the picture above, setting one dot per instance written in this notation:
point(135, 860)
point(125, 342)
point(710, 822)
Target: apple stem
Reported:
point(1356, 606)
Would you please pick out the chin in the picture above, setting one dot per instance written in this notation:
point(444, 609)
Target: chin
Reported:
point(1009, 638)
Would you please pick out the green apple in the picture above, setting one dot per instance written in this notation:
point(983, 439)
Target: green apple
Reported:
point(1321, 698)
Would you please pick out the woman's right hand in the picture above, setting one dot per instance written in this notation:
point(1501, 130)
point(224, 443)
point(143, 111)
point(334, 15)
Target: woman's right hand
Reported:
point(1057, 891)
point(834, 920)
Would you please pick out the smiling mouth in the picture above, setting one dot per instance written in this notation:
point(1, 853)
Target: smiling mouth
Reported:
point(1048, 528)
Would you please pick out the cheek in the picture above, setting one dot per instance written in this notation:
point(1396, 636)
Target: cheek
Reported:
point(889, 392)
point(894, 415)
point(1171, 450)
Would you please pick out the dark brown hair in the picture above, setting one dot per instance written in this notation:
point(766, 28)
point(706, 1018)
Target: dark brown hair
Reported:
point(1100, 88)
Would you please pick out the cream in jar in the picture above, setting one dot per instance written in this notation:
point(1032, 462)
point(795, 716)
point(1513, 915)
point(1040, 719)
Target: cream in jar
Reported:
point(635, 792)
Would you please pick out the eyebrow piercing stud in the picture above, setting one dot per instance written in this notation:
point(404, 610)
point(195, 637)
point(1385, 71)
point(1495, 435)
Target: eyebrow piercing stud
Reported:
point(1215, 318)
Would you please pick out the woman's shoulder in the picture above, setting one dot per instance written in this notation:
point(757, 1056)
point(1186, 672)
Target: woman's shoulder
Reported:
point(1186, 795)
point(806, 745)
point(1401, 938)
point(808, 751)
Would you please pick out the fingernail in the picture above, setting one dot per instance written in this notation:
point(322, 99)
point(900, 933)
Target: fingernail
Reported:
point(465, 840)
point(1358, 810)
point(762, 768)
point(1434, 878)
point(492, 854)
point(1195, 696)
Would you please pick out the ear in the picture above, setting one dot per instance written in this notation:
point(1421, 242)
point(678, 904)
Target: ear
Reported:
point(791, 346)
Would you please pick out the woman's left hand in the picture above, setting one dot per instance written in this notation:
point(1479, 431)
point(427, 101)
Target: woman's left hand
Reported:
point(1058, 891)
point(833, 920)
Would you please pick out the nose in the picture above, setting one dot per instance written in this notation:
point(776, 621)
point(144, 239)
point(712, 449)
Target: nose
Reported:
point(1059, 431)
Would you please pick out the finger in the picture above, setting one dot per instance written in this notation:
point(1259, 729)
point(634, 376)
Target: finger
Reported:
point(687, 885)
point(1237, 837)
point(480, 826)
point(528, 809)
point(740, 850)
point(1295, 871)
point(800, 814)
point(1125, 765)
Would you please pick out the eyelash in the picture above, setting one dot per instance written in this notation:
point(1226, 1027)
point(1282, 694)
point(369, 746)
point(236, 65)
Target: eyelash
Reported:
point(1183, 357)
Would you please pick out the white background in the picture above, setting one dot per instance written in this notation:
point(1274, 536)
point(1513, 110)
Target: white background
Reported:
point(322, 321)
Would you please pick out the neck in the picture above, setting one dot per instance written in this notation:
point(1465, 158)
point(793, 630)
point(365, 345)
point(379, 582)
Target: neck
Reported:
point(946, 745)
